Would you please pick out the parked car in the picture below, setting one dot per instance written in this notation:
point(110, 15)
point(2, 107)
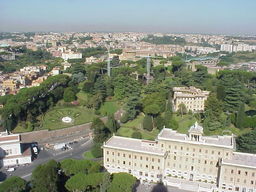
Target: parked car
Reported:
point(11, 169)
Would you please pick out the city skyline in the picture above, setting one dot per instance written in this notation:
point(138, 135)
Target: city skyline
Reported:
point(196, 16)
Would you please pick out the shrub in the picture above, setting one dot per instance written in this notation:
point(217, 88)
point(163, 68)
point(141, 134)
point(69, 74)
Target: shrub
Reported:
point(147, 123)
point(136, 135)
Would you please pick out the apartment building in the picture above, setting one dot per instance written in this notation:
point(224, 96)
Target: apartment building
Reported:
point(193, 98)
point(208, 162)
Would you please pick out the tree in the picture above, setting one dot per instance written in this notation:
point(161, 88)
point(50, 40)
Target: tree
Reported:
point(122, 182)
point(83, 182)
point(88, 87)
point(147, 123)
point(247, 142)
point(13, 184)
point(97, 150)
point(112, 124)
point(159, 122)
point(182, 109)
point(240, 116)
point(137, 135)
point(72, 166)
point(45, 177)
point(69, 95)
point(132, 108)
point(100, 130)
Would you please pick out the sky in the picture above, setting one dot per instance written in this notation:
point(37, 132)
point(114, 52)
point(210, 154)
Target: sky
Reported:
point(168, 16)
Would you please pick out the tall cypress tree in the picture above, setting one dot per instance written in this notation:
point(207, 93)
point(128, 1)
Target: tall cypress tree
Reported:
point(240, 116)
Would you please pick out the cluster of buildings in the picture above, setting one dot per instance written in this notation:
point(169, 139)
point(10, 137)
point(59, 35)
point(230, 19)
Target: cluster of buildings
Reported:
point(240, 47)
point(193, 98)
point(12, 151)
point(188, 161)
point(30, 76)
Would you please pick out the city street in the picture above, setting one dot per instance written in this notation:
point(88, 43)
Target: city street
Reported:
point(25, 171)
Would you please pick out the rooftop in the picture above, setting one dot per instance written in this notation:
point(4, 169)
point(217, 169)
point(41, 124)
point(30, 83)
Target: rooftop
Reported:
point(220, 141)
point(144, 146)
point(242, 159)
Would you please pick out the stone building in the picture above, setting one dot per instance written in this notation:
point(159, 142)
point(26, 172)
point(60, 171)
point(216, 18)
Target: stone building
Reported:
point(193, 98)
point(200, 163)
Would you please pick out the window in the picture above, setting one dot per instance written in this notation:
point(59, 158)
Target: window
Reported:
point(226, 154)
point(162, 145)
point(129, 156)
point(232, 171)
point(205, 162)
point(246, 173)
point(107, 152)
point(140, 157)
point(152, 167)
point(212, 152)
point(118, 154)
point(206, 151)
point(158, 160)
point(174, 157)
point(218, 153)
point(113, 153)
point(135, 157)
point(152, 159)
point(181, 148)
point(239, 172)
point(146, 166)
point(146, 158)
point(107, 159)
point(252, 182)
point(140, 173)
point(124, 162)
point(123, 155)
point(237, 189)
point(253, 174)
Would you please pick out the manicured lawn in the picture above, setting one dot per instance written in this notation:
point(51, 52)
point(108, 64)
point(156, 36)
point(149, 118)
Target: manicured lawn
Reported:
point(136, 123)
point(53, 119)
point(88, 155)
point(109, 107)
point(128, 128)
point(184, 122)
point(21, 129)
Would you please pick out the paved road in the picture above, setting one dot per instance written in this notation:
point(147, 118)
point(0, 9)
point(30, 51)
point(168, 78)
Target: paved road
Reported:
point(158, 188)
point(75, 153)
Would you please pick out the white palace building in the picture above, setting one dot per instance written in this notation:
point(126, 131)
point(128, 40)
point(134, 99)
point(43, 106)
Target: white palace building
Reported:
point(193, 162)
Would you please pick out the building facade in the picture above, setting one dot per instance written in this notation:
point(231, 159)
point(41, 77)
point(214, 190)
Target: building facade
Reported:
point(208, 162)
point(193, 98)
point(12, 152)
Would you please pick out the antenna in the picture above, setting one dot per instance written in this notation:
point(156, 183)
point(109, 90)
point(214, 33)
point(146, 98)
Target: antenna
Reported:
point(108, 66)
point(148, 69)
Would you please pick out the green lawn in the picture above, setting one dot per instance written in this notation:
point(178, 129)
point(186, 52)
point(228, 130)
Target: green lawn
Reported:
point(128, 128)
point(88, 155)
point(109, 107)
point(80, 115)
point(184, 122)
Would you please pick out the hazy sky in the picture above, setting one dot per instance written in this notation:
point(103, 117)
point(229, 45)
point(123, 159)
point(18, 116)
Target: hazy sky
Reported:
point(187, 16)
